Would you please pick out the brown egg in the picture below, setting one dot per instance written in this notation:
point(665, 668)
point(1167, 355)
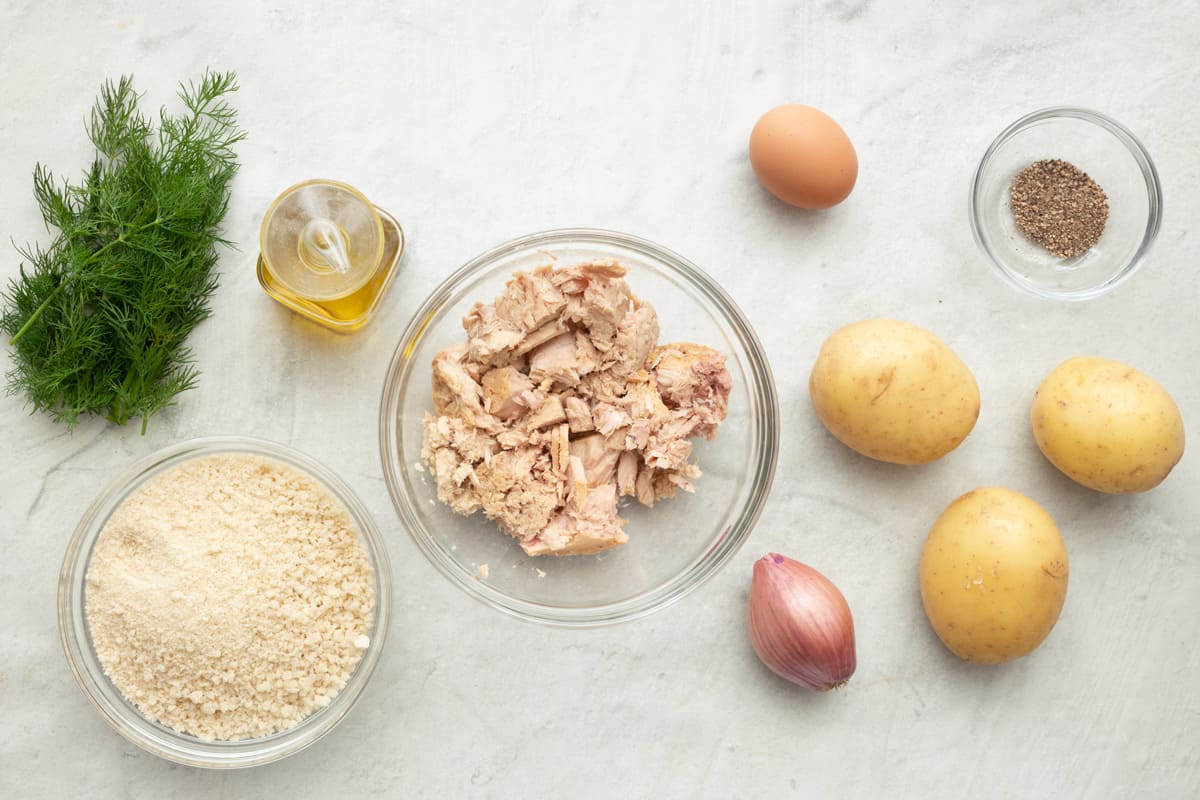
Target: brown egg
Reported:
point(803, 157)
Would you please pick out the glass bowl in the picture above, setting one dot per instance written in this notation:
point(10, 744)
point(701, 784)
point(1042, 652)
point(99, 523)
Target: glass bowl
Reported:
point(1113, 157)
point(672, 547)
point(123, 715)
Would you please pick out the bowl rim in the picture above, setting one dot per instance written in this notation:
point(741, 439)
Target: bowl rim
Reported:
point(765, 427)
point(121, 714)
point(1140, 156)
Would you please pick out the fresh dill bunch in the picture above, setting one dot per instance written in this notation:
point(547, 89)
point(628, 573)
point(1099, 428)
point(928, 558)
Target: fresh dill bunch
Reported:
point(99, 318)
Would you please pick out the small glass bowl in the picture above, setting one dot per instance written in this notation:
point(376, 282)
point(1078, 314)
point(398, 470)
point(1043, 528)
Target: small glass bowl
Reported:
point(672, 547)
point(1110, 155)
point(123, 715)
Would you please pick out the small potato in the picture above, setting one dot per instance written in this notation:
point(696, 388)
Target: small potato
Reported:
point(893, 392)
point(1107, 426)
point(993, 575)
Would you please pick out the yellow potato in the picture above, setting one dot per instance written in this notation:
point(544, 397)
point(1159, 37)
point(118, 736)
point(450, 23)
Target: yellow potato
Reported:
point(893, 392)
point(1107, 426)
point(993, 575)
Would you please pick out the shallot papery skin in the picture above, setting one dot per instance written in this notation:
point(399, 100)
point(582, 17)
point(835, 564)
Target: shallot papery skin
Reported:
point(800, 625)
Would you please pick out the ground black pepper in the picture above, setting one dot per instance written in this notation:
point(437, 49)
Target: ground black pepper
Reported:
point(1058, 206)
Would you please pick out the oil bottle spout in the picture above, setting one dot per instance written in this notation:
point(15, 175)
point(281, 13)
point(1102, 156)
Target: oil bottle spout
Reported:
point(323, 247)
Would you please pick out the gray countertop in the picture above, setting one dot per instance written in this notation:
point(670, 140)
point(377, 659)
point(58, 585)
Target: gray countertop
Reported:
point(476, 123)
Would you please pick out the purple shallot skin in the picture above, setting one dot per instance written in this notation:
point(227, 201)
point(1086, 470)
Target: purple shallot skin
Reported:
point(800, 624)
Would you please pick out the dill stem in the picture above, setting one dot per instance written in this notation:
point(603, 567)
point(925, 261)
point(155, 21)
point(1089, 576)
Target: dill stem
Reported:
point(37, 312)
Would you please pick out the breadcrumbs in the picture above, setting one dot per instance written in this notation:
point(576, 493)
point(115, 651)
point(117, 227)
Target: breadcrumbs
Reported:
point(229, 597)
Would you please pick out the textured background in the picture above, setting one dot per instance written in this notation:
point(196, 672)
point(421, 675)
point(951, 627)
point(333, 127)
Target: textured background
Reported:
point(475, 123)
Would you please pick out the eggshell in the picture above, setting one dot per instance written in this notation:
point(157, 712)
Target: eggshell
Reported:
point(803, 157)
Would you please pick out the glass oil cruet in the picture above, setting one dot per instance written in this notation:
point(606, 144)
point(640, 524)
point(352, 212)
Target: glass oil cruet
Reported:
point(328, 253)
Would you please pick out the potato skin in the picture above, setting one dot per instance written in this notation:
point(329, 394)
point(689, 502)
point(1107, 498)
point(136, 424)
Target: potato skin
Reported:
point(993, 575)
point(893, 392)
point(1107, 426)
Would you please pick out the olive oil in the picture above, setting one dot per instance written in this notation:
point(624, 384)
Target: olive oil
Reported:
point(329, 254)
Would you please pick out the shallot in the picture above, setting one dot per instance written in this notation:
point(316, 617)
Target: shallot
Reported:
point(800, 624)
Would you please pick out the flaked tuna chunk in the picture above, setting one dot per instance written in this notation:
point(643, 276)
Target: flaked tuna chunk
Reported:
point(666, 449)
point(540, 336)
point(605, 303)
point(592, 529)
point(572, 281)
point(455, 392)
point(627, 470)
point(603, 270)
point(602, 386)
point(642, 400)
point(549, 413)
point(530, 300)
point(637, 436)
point(636, 336)
point(599, 460)
point(554, 362)
point(609, 418)
point(519, 488)
point(490, 338)
point(643, 486)
point(587, 357)
point(577, 483)
point(508, 469)
point(559, 442)
point(579, 416)
point(693, 377)
point(510, 438)
point(504, 392)
point(472, 444)
point(453, 449)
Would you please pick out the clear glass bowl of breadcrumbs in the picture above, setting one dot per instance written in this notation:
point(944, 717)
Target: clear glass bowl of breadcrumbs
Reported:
point(124, 716)
point(1112, 157)
point(674, 546)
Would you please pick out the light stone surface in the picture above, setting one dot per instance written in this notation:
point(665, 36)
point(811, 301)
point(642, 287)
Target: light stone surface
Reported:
point(477, 122)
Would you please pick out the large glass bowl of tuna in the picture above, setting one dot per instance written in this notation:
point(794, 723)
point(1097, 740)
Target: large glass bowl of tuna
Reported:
point(480, 388)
